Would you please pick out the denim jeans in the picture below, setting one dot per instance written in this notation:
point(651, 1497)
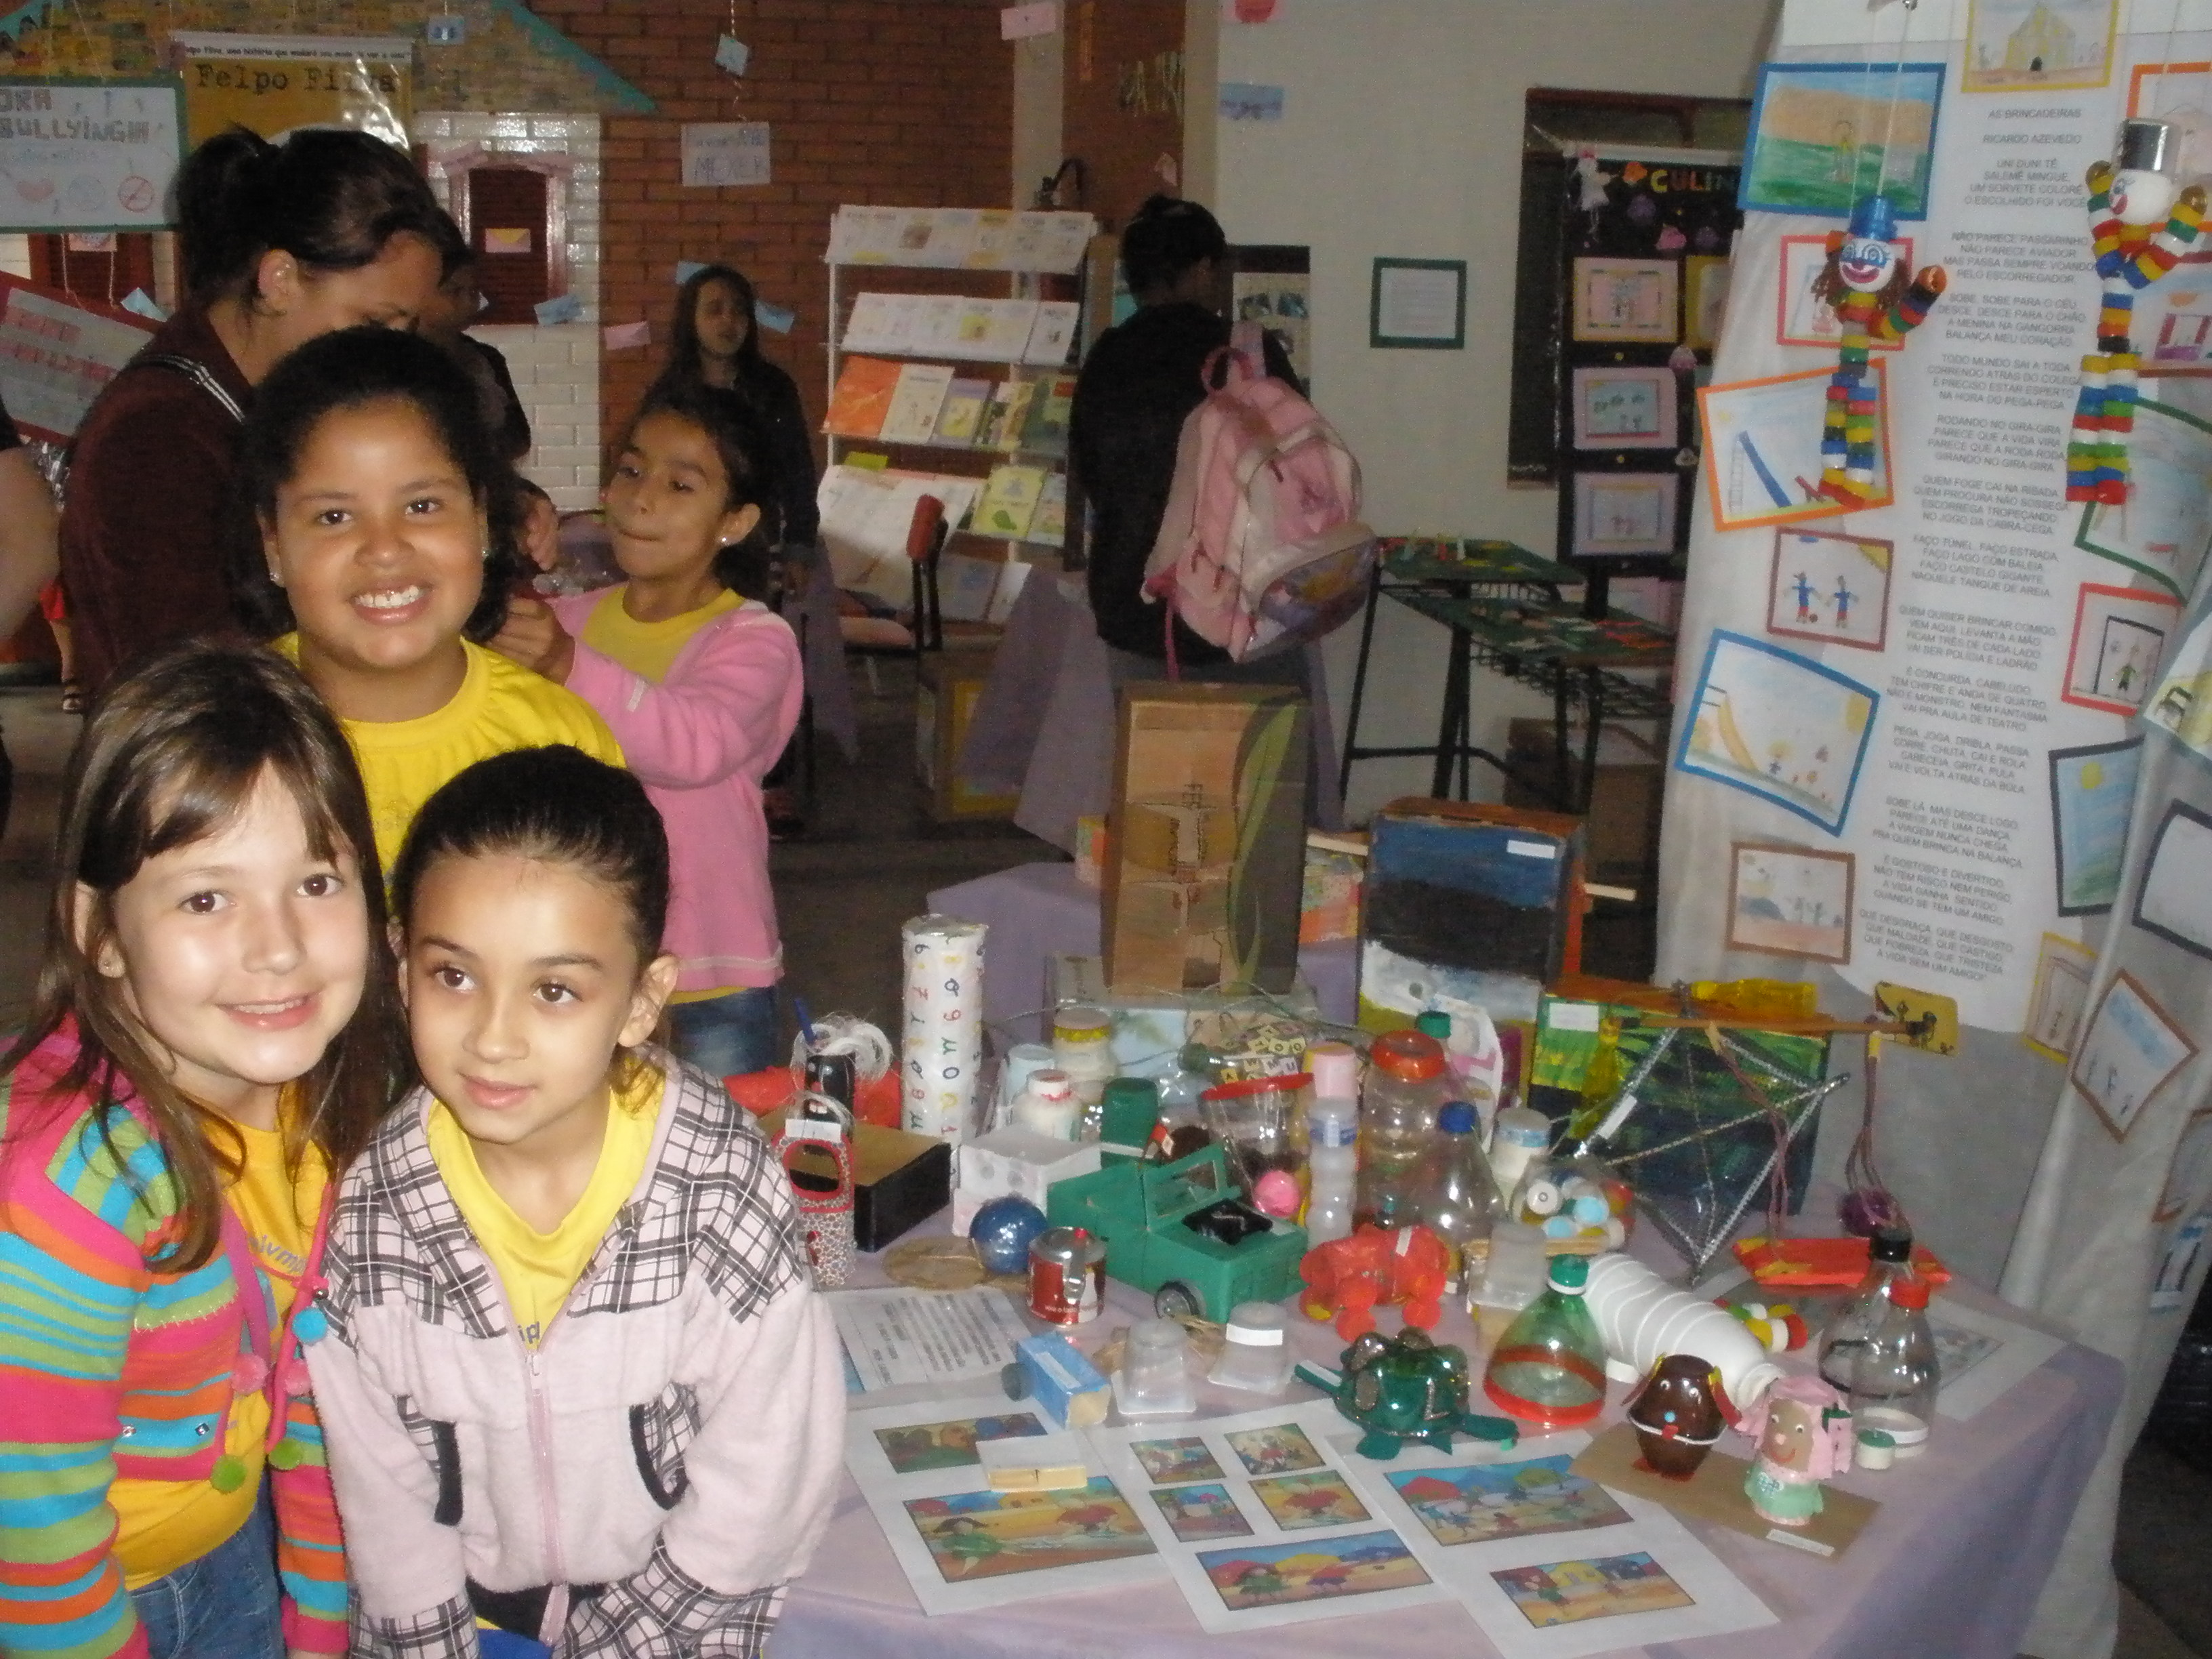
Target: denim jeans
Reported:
point(223, 1606)
point(727, 1036)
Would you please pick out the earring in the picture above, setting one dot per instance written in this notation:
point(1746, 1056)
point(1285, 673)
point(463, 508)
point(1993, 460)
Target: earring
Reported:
point(275, 581)
point(486, 554)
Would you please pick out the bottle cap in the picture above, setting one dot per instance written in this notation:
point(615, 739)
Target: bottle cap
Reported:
point(1335, 1067)
point(1458, 1118)
point(1908, 1293)
point(1890, 1244)
point(1568, 1272)
point(1137, 1093)
point(1052, 1085)
point(1435, 1023)
point(1080, 1022)
point(1195, 1057)
point(1408, 1056)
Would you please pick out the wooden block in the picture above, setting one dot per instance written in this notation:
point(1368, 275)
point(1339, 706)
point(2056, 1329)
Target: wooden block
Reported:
point(1716, 1493)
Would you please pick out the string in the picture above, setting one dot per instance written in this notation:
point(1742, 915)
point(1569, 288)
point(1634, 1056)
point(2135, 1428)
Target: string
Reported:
point(1896, 90)
point(2166, 95)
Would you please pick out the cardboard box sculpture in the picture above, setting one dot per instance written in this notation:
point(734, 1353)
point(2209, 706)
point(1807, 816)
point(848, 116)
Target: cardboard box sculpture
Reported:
point(1205, 847)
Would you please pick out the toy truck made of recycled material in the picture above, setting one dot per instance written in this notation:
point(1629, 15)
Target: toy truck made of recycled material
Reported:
point(1183, 1232)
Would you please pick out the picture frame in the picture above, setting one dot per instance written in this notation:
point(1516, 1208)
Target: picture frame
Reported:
point(1762, 447)
point(1635, 301)
point(2039, 45)
point(1624, 406)
point(2119, 635)
point(1418, 305)
point(1620, 514)
point(2144, 96)
point(1705, 299)
point(1780, 727)
point(2189, 1177)
point(1799, 318)
point(2092, 789)
point(2166, 527)
point(2174, 901)
point(1790, 901)
point(1812, 149)
point(2130, 1049)
point(2059, 997)
point(1810, 593)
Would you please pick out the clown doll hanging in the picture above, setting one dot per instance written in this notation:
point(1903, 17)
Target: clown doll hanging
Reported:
point(1876, 298)
point(2141, 222)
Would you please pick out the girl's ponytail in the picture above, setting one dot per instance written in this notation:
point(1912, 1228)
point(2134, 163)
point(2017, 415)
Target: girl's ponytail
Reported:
point(214, 204)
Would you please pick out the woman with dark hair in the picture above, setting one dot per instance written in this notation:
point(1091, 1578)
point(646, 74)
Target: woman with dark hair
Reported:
point(279, 244)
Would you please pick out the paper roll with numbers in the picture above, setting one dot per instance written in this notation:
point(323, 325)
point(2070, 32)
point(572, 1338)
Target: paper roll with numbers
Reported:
point(941, 1049)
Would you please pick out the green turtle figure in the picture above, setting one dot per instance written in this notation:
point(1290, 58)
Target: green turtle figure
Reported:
point(1407, 1388)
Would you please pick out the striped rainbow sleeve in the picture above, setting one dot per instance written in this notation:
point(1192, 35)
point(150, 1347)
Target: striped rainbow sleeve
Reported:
point(310, 1552)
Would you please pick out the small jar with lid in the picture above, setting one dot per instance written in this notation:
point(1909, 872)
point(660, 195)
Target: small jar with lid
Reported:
point(1256, 1352)
point(1048, 1106)
point(1083, 1046)
point(1406, 1085)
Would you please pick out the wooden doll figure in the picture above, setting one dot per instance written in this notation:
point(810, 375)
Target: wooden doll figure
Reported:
point(1876, 298)
point(1804, 1434)
point(2141, 224)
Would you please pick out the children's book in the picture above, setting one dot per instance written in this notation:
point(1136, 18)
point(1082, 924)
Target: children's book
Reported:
point(1053, 335)
point(868, 327)
point(912, 415)
point(961, 415)
point(1010, 500)
point(1007, 416)
point(965, 584)
point(936, 327)
point(1046, 431)
point(862, 397)
point(1049, 524)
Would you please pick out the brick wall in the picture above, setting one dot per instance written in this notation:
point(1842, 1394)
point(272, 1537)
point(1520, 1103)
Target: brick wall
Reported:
point(904, 102)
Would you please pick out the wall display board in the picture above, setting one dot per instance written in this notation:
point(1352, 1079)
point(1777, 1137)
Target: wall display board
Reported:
point(57, 353)
point(88, 156)
point(273, 84)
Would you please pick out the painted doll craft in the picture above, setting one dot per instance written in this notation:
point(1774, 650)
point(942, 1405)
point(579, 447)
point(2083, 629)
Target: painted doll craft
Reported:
point(2141, 224)
point(1803, 1430)
point(1876, 298)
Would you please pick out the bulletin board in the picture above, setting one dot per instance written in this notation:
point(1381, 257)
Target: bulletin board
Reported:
point(88, 155)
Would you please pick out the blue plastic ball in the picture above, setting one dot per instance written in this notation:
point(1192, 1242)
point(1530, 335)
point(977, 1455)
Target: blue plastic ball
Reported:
point(1003, 1231)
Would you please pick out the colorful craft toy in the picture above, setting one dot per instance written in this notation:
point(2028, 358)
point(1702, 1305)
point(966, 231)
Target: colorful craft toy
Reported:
point(1876, 298)
point(2133, 250)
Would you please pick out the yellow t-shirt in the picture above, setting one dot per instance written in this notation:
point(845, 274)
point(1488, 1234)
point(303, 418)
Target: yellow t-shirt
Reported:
point(501, 705)
point(648, 647)
point(538, 1269)
point(164, 1524)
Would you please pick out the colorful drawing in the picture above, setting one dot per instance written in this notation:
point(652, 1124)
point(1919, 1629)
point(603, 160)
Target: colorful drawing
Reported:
point(1801, 317)
point(2130, 1052)
point(2119, 634)
point(1763, 448)
point(1568, 1592)
point(1831, 589)
point(1705, 299)
point(1770, 723)
point(2182, 701)
point(1624, 513)
point(1825, 137)
point(1282, 1449)
point(2092, 792)
point(1624, 408)
point(1319, 1500)
point(1504, 1500)
point(949, 1445)
point(2175, 901)
point(1195, 1514)
point(2015, 44)
point(2167, 522)
point(1636, 299)
point(2189, 1177)
point(1318, 1571)
point(1169, 1460)
point(989, 1535)
point(2061, 997)
point(1792, 901)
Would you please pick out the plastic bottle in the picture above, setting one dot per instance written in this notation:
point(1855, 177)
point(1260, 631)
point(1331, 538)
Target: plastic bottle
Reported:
point(1889, 1259)
point(1549, 1367)
point(1457, 1200)
point(1048, 1105)
point(1894, 1371)
point(1083, 1046)
point(1643, 1318)
point(1519, 1134)
point(1333, 1129)
point(1182, 1119)
point(1406, 1086)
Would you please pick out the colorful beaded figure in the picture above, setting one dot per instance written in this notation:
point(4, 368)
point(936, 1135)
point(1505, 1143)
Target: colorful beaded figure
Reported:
point(1876, 298)
point(2141, 224)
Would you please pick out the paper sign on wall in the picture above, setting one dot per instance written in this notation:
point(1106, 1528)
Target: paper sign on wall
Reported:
point(57, 353)
point(273, 84)
point(732, 54)
point(717, 152)
point(88, 157)
point(626, 337)
point(1242, 100)
point(1020, 22)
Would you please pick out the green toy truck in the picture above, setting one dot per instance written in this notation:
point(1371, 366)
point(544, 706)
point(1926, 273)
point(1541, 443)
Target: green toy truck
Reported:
point(1183, 1232)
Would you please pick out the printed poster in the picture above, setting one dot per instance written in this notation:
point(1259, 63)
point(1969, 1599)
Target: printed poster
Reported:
point(276, 84)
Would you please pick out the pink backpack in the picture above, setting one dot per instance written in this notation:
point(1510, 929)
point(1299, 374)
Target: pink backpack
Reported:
point(1261, 547)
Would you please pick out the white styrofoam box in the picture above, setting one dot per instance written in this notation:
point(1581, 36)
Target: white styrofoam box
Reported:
point(1016, 1162)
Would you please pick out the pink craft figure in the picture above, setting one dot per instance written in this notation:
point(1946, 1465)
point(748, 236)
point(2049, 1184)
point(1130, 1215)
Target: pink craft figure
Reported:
point(1350, 1277)
point(1803, 1430)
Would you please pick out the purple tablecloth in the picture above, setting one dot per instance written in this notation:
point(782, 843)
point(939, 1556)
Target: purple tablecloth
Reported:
point(1949, 1569)
point(1038, 911)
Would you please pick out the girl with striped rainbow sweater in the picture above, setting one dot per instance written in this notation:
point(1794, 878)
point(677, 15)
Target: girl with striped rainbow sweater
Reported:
point(215, 1035)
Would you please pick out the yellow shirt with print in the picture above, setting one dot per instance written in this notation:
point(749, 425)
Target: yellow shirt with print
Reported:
point(164, 1524)
point(501, 705)
point(538, 1269)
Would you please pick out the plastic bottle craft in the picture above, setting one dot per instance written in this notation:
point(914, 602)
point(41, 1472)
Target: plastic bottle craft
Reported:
point(2141, 222)
point(825, 1219)
point(1805, 1435)
point(1876, 298)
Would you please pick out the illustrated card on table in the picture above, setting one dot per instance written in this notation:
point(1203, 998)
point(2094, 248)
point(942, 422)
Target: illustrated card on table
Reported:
point(1184, 1458)
point(985, 1534)
point(1300, 1502)
point(1474, 1503)
point(1200, 1514)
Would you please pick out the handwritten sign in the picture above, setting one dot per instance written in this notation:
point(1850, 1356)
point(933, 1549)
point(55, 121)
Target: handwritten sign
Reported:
point(717, 152)
point(57, 353)
point(80, 155)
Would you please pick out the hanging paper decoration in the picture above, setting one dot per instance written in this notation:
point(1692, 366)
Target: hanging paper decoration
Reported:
point(1876, 298)
point(2141, 222)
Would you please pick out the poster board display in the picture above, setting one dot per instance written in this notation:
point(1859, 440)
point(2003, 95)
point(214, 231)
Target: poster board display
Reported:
point(273, 84)
point(57, 352)
point(88, 155)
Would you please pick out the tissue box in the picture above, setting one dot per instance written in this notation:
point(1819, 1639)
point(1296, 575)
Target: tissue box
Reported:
point(1019, 1163)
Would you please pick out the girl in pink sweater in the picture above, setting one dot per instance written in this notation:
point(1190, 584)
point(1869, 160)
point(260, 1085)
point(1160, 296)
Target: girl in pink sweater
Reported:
point(702, 687)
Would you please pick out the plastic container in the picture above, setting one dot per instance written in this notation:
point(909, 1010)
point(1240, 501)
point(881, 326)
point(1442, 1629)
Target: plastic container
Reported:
point(1456, 1199)
point(1889, 1260)
point(1261, 1122)
point(1048, 1105)
point(1153, 1381)
point(1518, 1134)
point(1894, 1371)
point(1083, 1046)
point(1643, 1318)
point(1127, 1115)
point(1332, 1166)
point(1406, 1085)
point(1549, 1367)
point(1023, 1061)
point(1255, 1351)
point(1514, 1276)
point(1183, 1117)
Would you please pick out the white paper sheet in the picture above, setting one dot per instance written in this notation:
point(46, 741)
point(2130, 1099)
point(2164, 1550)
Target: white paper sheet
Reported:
point(897, 1337)
point(1983, 1355)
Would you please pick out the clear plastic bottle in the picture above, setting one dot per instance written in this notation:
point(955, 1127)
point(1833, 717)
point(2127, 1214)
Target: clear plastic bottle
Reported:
point(1407, 1084)
point(1894, 1370)
point(1181, 1128)
point(1518, 1134)
point(1333, 1131)
point(1549, 1367)
point(1457, 1199)
point(1889, 1260)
